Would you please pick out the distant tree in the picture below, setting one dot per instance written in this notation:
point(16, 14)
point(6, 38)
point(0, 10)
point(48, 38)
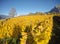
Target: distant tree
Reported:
point(39, 13)
point(12, 12)
point(31, 14)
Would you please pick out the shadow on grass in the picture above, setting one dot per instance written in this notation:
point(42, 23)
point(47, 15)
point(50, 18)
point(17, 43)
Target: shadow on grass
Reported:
point(55, 39)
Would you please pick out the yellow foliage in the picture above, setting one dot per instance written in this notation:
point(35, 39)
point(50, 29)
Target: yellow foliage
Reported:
point(41, 28)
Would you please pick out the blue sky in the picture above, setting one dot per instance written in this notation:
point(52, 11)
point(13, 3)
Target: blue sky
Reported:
point(27, 6)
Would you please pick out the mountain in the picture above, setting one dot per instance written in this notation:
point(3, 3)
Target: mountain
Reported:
point(3, 16)
point(55, 9)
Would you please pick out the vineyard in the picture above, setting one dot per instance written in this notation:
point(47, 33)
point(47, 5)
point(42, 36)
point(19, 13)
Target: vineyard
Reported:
point(30, 29)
